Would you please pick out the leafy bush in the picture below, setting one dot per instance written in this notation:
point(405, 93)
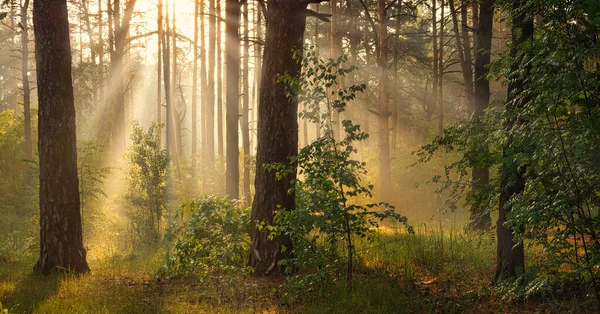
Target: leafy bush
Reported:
point(333, 204)
point(18, 190)
point(146, 183)
point(212, 243)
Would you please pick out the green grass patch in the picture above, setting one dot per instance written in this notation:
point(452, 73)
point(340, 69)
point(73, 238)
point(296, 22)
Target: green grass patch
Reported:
point(441, 271)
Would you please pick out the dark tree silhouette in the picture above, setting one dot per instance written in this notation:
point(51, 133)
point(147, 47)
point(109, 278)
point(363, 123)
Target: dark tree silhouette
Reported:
point(277, 129)
point(61, 243)
point(511, 255)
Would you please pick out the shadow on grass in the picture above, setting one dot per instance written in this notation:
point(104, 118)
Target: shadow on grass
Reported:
point(29, 291)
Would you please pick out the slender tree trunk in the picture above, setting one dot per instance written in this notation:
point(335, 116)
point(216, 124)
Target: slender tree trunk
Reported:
point(395, 113)
point(121, 30)
point(159, 107)
point(367, 94)
point(464, 51)
point(277, 132)
point(203, 90)
point(435, 78)
point(25, 78)
point(61, 240)
point(317, 35)
point(480, 216)
point(100, 74)
point(166, 54)
point(384, 105)
point(210, 107)
point(232, 15)
point(195, 93)
point(118, 91)
point(219, 84)
point(246, 107)
point(258, 65)
point(92, 45)
point(441, 70)
point(175, 119)
point(511, 255)
point(335, 51)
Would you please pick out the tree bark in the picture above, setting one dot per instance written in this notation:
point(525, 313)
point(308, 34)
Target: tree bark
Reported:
point(277, 132)
point(511, 255)
point(61, 240)
point(232, 16)
point(480, 216)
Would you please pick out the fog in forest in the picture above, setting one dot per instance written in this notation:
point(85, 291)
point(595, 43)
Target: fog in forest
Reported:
point(277, 156)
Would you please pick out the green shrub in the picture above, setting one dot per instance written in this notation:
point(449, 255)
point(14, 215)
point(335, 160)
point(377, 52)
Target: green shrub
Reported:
point(212, 243)
point(333, 203)
point(146, 183)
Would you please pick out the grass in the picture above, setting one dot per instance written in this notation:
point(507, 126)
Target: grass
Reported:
point(438, 271)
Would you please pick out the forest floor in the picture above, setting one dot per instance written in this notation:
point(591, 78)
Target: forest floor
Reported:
point(424, 273)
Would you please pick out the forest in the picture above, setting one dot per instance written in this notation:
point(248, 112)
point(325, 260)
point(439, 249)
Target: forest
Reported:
point(299, 156)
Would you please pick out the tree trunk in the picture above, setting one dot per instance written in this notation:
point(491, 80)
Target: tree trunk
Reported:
point(121, 30)
point(210, 106)
point(232, 16)
point(435, 80)
point(166, 54)
point(441, 71)
point(204, 92)
point(100, 74)
point(25, 79)
point(159, 106)
point(277, 132)
point(480, 216)
point(219, 84)
point(511, 255)
point(246, 107)
point(335, 51)
point(61, 243)
point(384, 105)
point(464, 51)
point(195, 93)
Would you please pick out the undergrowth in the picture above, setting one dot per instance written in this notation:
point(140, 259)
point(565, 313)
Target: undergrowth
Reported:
point(438, 271)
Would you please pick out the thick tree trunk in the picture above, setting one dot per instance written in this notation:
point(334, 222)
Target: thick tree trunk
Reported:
point(511, 255)
point(480, 216)
point(25, 79)
point(232, 44)
point(277, 132)
point(61, 243)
